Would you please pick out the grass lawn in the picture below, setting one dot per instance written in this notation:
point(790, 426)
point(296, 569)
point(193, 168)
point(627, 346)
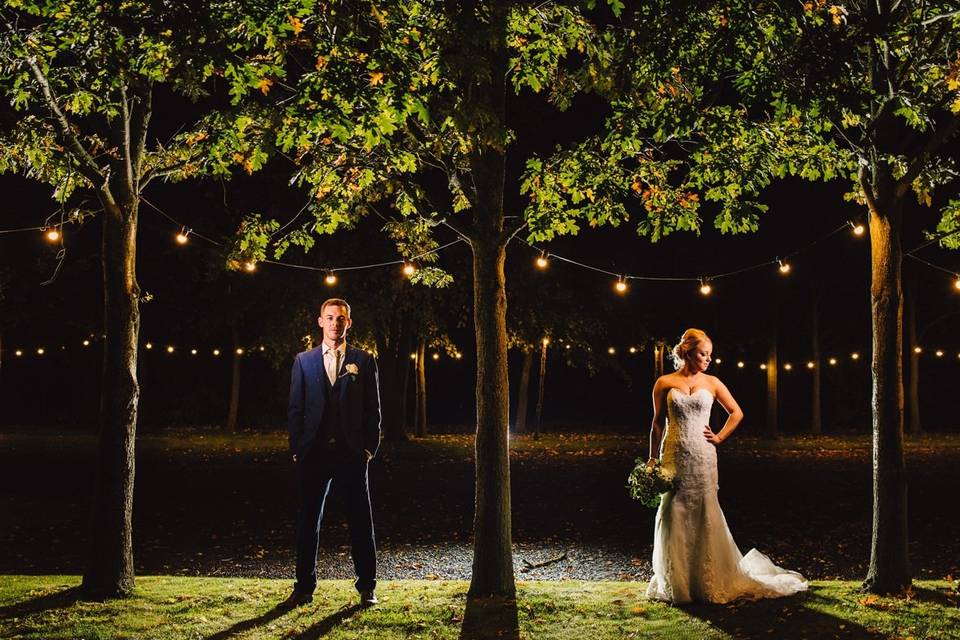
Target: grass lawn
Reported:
point(218, 608)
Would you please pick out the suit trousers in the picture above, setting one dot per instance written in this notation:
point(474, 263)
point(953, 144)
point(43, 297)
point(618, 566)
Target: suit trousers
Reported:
point(346, 472)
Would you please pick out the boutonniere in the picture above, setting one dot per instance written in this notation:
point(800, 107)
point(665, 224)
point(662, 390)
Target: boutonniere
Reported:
point(351, 370)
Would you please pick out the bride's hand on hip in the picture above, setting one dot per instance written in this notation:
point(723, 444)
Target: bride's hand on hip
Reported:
point(711, 437)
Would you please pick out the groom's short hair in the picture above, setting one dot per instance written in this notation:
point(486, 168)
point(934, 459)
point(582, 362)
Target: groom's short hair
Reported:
point(335, 302)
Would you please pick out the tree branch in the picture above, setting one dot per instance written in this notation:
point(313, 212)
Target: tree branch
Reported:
point(144, 110)
point(867, 189)
point(150, 174)
point(88, 167)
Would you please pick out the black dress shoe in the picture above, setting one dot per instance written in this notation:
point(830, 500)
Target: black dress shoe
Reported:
point(368, 598)
point(296, 599)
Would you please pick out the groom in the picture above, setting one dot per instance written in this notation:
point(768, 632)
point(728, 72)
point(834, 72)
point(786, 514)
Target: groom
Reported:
point(334, 423)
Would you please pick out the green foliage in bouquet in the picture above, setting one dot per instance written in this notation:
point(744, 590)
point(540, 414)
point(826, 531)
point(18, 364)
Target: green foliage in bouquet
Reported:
point(648, 484)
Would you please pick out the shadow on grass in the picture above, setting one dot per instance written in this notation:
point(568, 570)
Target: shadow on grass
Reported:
point(787, 618)
point(490, 618)
point(57, 600)
point(245, 625)
point(942, 598)
point(325, 626)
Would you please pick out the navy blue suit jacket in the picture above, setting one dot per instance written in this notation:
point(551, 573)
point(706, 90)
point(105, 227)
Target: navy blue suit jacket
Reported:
point(359, 401)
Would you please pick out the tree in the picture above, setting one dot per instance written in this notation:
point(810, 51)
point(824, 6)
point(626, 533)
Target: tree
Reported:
point(83, 78)
point(734, 95)
point(407, 103)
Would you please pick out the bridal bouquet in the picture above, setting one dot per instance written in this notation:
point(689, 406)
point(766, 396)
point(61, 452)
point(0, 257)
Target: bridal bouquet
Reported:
point(648, 484)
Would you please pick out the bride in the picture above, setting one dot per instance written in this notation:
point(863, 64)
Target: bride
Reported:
point(694, 555)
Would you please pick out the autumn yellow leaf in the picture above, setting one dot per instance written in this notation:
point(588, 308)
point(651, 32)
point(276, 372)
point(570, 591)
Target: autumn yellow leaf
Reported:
point(321, 63)
point(296, 24)
point(376, 77)
point(955, 107)
point(379, 16)
point(264, 85)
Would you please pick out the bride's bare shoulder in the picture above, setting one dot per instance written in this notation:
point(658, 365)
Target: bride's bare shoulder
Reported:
point(665, 381)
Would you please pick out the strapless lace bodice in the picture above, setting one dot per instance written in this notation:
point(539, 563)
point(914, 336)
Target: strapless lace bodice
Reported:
point(684, 451)
point(694, 555)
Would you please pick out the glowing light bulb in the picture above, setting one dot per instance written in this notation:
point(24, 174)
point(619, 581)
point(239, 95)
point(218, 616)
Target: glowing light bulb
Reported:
point(216, 352)
point(249, 266)
point(567, 347)
point(413, 356)
point(331, 279)
point(612, 351)
point(788, 366)
point(833, 362)
point(193, 352)
point(917, 350)
point(717, 360)
point(956, 283)
point(542, 262)
point(705, 287)
point(939, 353)
point(52, 234)
point(763, 366)
point(182, 236)
point(855, 355)
point(86, 343)
point(458, 355)
point(784, 267)
point(740, 364)
point(858, 229)
point(633, 349)
point(436, 356)
point(620, 286)
point(810, 365)
point(409, 269)
point(18, 353)
point(239, 351)
point(41, 351)
point(148, 346)
point(170, 349)
point(545, 341)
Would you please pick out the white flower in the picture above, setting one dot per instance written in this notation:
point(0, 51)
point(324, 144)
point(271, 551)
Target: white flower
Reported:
point(351, 369)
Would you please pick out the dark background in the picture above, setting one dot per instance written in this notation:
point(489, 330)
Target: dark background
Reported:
point(194, 301)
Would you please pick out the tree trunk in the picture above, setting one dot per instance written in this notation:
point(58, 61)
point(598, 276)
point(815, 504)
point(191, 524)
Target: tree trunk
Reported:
point(404, 364)
point(816, 420)
point(109, 571)
point(913, 425)
point(421, 418)
point(234, 409)
point(889, 570)
point(541, 384)
point(523, 392)
point(492, 545)
point(773, 406)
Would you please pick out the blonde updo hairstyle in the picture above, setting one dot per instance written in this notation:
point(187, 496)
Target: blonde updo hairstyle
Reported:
point(688, 342)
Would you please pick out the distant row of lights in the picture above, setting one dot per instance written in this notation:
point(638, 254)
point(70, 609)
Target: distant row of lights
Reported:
point(149, 346)
point(171, 349)
point(457, 355)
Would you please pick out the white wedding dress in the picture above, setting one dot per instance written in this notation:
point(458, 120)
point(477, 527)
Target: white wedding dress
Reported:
point(694, 555)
